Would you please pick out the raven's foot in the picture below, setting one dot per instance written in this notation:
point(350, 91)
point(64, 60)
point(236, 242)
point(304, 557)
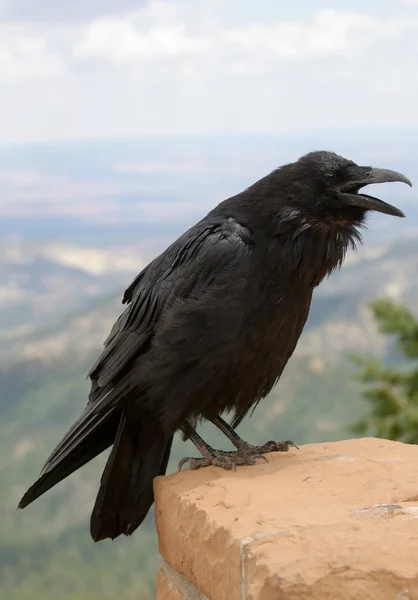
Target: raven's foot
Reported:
point(248, 449)
point(273, 446)
point(247, 455)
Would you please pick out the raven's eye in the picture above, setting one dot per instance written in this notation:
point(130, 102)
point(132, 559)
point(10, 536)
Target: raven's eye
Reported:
point(330, 176)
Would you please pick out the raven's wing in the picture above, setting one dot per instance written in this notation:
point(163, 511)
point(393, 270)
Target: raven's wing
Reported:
point(190, 263)
point(187, 266)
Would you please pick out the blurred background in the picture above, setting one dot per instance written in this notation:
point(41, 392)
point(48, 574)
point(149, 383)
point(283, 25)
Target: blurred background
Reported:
point(123, 123)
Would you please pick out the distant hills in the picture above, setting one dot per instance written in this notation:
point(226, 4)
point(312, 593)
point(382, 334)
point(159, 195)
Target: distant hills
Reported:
point(41, 280)
point(114, 191)
point(59, 281)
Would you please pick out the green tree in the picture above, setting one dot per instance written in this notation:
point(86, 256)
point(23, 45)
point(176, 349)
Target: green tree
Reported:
point(392, 389)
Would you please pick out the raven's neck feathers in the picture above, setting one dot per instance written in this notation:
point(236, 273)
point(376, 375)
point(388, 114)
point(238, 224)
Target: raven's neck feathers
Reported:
point(314, 243)
point(316, 246)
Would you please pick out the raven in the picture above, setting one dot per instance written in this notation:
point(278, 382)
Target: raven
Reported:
point(209, 327)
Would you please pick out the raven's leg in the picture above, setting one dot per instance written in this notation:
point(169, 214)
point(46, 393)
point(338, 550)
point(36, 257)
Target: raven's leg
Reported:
point(218, 458)
point(244, 447)
point(245, 455)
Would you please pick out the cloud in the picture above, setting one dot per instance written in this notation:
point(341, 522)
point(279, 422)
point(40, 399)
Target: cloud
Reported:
point(24, 53)
point(178, 68)
point(156, 31)
point(160, 167)
point(329, 33)
point(117, 41)
point(125, 39)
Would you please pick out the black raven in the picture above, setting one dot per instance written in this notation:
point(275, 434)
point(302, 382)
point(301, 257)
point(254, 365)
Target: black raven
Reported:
point(209, 328)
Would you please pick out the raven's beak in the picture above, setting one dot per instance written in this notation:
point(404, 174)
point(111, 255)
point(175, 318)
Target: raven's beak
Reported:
point(366, 176)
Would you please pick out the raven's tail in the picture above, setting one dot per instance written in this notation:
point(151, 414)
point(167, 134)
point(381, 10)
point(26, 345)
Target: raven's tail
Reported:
point(88, 437)
point(125, 496)
point(139, 454)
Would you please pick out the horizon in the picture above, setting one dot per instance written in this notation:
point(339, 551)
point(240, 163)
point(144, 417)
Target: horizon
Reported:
point(405, 133)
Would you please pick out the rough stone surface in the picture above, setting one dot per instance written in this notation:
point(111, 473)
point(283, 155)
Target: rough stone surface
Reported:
point(330, 521)
point(165, 589)
point(171, 585)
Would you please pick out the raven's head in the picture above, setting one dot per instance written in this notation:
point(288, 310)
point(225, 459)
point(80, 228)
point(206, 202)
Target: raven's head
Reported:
point(337, 182)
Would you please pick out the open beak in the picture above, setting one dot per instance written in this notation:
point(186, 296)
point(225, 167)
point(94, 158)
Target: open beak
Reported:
point(366, 176)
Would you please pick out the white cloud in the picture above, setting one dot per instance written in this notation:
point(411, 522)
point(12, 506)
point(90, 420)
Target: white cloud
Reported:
point(158, 30)
point(118, 41)
point(25, 53)
point(183, 68)
point(329, 33)
point(22, 178)
point(159, 168)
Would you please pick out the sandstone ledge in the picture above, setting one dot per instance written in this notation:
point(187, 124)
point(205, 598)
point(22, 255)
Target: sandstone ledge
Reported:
point(330, 521)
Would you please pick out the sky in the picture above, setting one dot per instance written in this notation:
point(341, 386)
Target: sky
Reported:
point(132, 68)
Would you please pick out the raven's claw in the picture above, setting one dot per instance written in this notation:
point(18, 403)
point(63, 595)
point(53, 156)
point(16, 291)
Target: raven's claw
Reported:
point(224, 459)
point(273, 446)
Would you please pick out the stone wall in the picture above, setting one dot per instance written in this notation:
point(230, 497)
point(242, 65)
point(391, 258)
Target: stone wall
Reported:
point(329, 521)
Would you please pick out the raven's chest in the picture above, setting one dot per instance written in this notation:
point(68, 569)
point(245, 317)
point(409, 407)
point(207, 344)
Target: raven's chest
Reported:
point(261, 352)
point(267, 337)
